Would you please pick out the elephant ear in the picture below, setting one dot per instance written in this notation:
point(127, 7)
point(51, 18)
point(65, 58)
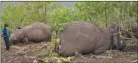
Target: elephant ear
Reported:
point(118, 42)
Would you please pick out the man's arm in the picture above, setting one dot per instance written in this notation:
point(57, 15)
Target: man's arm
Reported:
point(3, 33)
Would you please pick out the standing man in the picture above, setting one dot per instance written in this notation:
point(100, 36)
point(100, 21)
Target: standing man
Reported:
point(5, 35)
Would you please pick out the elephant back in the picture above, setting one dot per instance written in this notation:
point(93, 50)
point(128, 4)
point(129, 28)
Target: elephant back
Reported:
point(44, 27)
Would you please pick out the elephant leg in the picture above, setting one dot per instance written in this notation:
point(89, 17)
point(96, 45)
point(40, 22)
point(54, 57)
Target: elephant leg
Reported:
point(49, 39)
point(100, 50)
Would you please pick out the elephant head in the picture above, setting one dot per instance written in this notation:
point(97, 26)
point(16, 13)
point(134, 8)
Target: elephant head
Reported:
point(17, 36)
point(117, 42)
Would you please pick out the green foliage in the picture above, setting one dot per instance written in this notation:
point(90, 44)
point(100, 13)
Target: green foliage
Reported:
point(26, 13)
point(107, 12)
point(61, 17)
point(58, 28)
point(52, 56)
point(102, 13)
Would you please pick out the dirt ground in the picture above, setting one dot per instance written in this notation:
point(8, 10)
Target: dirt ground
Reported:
point(31, 53)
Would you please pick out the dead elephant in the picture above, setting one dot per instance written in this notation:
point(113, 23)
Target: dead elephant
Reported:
point(36, 32)
point(85, 38)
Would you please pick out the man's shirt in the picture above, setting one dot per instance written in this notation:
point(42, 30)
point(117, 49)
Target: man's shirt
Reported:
point(5, 33)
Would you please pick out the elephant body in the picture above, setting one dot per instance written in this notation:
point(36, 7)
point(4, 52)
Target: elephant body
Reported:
point(36, 32)
point(84, 38)
point(36, 35)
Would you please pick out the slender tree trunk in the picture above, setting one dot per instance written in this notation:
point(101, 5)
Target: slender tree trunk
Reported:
point(90, 18)
point(45, 12)
point(106, 18)
point(121, 14)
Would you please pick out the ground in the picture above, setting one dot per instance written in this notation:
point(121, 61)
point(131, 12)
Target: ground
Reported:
point(34, 52)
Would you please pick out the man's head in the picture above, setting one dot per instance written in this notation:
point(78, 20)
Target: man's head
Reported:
point(5, 25)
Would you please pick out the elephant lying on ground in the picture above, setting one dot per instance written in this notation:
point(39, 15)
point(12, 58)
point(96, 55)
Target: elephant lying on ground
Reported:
point(36, 32)
point(85, 38)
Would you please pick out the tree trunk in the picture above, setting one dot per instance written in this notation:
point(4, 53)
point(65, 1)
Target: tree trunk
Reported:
point(106, 18)
point(45, 12)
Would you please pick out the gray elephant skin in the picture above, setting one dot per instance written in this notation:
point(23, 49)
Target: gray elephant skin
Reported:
point(84, 38)
point(36, 32)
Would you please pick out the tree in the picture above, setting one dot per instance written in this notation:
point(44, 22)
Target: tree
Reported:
point(26, 13)
point(106, 12)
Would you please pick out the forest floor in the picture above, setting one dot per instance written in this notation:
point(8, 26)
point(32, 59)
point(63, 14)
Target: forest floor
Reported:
point(33, 52)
